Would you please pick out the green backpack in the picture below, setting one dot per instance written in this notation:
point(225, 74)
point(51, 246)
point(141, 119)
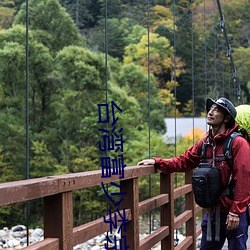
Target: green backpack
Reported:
point(243, 120)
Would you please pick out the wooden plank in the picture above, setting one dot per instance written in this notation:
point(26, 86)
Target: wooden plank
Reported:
point(185, 244)
point(46, 244)
point(58, 219)
point(185, 189)
point(24, 190)
point(167, 210)
point(94, 228)
point(94, 178)
point(182, 218)
point(131, 201)
point(190, 205)
point(152, 203)
point(198, 231)
point(198, 209)
point(154, 238)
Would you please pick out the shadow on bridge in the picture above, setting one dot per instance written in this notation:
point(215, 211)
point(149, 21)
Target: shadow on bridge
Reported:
point(56, 192)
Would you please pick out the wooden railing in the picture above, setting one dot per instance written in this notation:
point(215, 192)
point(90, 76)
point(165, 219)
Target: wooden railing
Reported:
point(59, 232)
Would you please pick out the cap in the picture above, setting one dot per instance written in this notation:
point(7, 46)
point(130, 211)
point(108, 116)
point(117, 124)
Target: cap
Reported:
point(223, 103)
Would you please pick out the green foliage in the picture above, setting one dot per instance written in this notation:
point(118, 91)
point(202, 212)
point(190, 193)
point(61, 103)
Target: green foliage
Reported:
point(118, 32)
point(67, 81)
point(6, 17)
point(242, 63)
point(53, 25)
point(84, 13)
point(136, 82)
point(42, 162)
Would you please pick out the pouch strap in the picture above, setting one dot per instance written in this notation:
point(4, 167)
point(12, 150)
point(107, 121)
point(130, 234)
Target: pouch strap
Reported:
point(209, 226)
point(217, 222)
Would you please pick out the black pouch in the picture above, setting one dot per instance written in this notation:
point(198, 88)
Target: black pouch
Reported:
point(206, 183)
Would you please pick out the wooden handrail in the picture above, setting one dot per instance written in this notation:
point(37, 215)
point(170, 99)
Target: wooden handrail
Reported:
point(58, 208)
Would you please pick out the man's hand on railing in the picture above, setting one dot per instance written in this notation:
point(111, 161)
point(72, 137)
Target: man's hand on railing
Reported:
point(146, 162)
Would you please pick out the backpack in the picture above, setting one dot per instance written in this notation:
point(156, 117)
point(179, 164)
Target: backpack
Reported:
point(243, 120)
point(206, 179)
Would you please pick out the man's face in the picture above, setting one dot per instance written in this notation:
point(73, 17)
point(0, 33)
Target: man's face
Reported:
point(215, 116)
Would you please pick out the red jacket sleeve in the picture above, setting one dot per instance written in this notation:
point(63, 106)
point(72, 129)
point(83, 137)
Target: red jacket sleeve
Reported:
point(183, 163)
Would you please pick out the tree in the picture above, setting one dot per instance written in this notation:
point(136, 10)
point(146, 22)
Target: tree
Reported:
point(85, 14)
point(161, 57)
point(6, 17)
point(242, 64)
point(53, 25)
point(132, 78)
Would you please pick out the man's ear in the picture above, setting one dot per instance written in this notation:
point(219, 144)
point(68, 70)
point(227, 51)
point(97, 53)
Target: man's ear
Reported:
point(228, 118)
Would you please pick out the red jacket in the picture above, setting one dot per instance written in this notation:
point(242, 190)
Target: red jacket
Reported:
point(241, 167)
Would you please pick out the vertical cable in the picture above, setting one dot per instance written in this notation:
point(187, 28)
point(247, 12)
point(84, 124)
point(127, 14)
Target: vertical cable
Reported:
point(175, 95)
point(106, 83)
point(149, 122)
point(215, 51)
point(174, 74)
point(222, 69)
point(229, 84)
point(27, 112)
point(205, 50)
point(106, 50)
point(192, 77)
point(77, 13)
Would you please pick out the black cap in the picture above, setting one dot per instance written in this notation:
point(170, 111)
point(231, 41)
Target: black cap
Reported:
point(223, 103)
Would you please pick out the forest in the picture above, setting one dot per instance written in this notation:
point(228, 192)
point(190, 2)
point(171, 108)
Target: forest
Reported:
point(153, 59)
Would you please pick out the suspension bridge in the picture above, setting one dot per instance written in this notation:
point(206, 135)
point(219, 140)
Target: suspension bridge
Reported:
point(56, 192)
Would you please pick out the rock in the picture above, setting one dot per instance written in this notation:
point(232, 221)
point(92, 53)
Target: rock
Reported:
point(96, 248)
point(18, 228)
point(16, 238)
point(38, 232)
point(13, 243)
point(100, 238)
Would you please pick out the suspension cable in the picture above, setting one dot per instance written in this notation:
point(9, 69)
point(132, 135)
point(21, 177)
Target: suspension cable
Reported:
point(106, 85)
point(192, 76)
point(229, 53)
point(175, 95)
point(27, 207)
point(149, 121)
point(205, 49)
point(215, 51)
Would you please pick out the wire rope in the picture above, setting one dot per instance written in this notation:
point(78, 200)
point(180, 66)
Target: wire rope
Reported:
point(215, 52)
point(192, 73)
point(106, 84)
point(149, 120)
point(236, 83)
point(174, 73)
point(27, 207)
point(175, 95)
point(205, 48)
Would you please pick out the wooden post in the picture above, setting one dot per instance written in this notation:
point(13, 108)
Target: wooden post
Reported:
point(131, 201)
point(167, 210)
point(190, 205)
point(58, 219)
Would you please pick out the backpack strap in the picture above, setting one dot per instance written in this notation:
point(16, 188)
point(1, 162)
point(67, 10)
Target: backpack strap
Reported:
point(203, 152)
point(227, 148)
point(227, 151)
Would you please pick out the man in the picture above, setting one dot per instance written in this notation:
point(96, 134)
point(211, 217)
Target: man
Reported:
point(221, 115)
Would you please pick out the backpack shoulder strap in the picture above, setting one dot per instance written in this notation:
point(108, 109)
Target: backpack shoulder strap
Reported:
point(203, 152)
point(227, 148)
